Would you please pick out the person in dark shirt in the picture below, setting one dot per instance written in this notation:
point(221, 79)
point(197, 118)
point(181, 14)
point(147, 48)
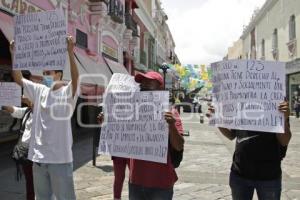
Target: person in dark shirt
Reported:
point(257, 160)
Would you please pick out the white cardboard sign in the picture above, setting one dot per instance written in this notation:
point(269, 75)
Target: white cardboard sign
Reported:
point(10, 94)
point(135, 127)
point(247, 93)
point(40, 41)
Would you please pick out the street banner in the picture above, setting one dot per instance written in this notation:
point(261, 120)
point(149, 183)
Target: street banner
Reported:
point(134, 126)
point(247, 93)
point(40, 41)
point(10, 94)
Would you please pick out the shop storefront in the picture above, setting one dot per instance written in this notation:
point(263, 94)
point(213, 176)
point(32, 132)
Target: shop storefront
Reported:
point(293, 80)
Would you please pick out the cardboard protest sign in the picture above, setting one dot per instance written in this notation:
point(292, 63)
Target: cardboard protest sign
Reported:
point(40, 41)
point(246, 95)
point(134, 126)
point(122, 83)
point(10, 94)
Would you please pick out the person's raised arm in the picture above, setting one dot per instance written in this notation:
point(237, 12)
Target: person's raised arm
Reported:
point(285, 138)
point(73, 67)
point(16, 74)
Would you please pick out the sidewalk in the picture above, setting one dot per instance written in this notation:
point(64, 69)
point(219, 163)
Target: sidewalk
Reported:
point(203, 174)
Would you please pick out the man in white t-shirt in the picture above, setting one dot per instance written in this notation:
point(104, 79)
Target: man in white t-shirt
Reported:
point(51, 144)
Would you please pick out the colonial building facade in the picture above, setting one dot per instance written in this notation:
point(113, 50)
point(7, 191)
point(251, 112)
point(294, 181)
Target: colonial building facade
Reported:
point(273, 34)
point(112, 36)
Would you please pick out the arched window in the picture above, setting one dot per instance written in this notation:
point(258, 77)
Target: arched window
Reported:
point(275, 39)
point(292, 28)
point(263, 48)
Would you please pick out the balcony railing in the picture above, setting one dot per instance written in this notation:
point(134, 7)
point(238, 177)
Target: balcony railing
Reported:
point(116, 11)
point(131, 24)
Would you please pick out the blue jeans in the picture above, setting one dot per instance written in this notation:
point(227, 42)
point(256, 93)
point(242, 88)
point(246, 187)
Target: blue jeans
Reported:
point(243, 189)
point(137, 192)
point(53, 181)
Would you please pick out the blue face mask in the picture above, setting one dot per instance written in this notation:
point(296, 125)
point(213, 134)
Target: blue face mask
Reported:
point(48, 81)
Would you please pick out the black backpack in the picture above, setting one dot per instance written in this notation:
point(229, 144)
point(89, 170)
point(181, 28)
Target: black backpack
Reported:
point(20, 150)
point(176, 156)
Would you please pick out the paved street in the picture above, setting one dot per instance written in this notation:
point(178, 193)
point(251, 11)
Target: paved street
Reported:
point(203, 174)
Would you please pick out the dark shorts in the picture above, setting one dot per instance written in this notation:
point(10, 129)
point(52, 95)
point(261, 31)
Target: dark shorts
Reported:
point(137, 192)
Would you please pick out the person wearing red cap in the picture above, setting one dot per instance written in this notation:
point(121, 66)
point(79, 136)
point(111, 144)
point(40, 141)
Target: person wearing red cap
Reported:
point(150, 81)
point(151, 180)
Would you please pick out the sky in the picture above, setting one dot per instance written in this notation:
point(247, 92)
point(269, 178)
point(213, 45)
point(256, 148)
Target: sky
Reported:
point(204, 29)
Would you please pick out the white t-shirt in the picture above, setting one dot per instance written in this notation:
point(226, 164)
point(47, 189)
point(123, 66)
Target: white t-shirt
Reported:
point(19, 114)
point(52, 139)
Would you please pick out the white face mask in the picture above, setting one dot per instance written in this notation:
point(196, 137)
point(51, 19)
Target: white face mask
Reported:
point(48, 81)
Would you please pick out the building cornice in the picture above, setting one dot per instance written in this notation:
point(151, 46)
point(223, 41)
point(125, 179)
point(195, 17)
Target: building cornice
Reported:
point(261, 13)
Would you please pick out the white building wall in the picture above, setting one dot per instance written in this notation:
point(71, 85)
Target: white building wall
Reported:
point(277, 16)
point(246, 45)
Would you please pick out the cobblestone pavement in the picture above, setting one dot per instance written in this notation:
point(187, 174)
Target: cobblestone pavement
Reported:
point(203, 174)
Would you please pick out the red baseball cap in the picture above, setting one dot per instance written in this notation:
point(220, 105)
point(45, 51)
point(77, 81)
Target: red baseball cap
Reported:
point(150, 75)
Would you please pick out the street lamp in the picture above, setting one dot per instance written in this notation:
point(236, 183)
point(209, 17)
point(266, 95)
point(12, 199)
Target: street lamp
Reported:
point(164, 67)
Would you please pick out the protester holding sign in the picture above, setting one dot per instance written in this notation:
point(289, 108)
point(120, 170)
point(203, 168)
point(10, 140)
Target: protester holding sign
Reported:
point(20, 151)
point(151, 180)
point(119, 166)
point(257, 160)
point(249, 106)
point(51, 145)
point(25, 114)
point(159, 179)
point(119, 83)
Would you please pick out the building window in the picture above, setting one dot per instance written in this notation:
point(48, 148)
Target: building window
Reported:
point(292, 28)
point(263, 48)
point(81, 39)
point(275, 45)
point(116, 11)
point(151, 43)
point(275, 39)
point(127, 7)
point(171, 55)
point(253, 45)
